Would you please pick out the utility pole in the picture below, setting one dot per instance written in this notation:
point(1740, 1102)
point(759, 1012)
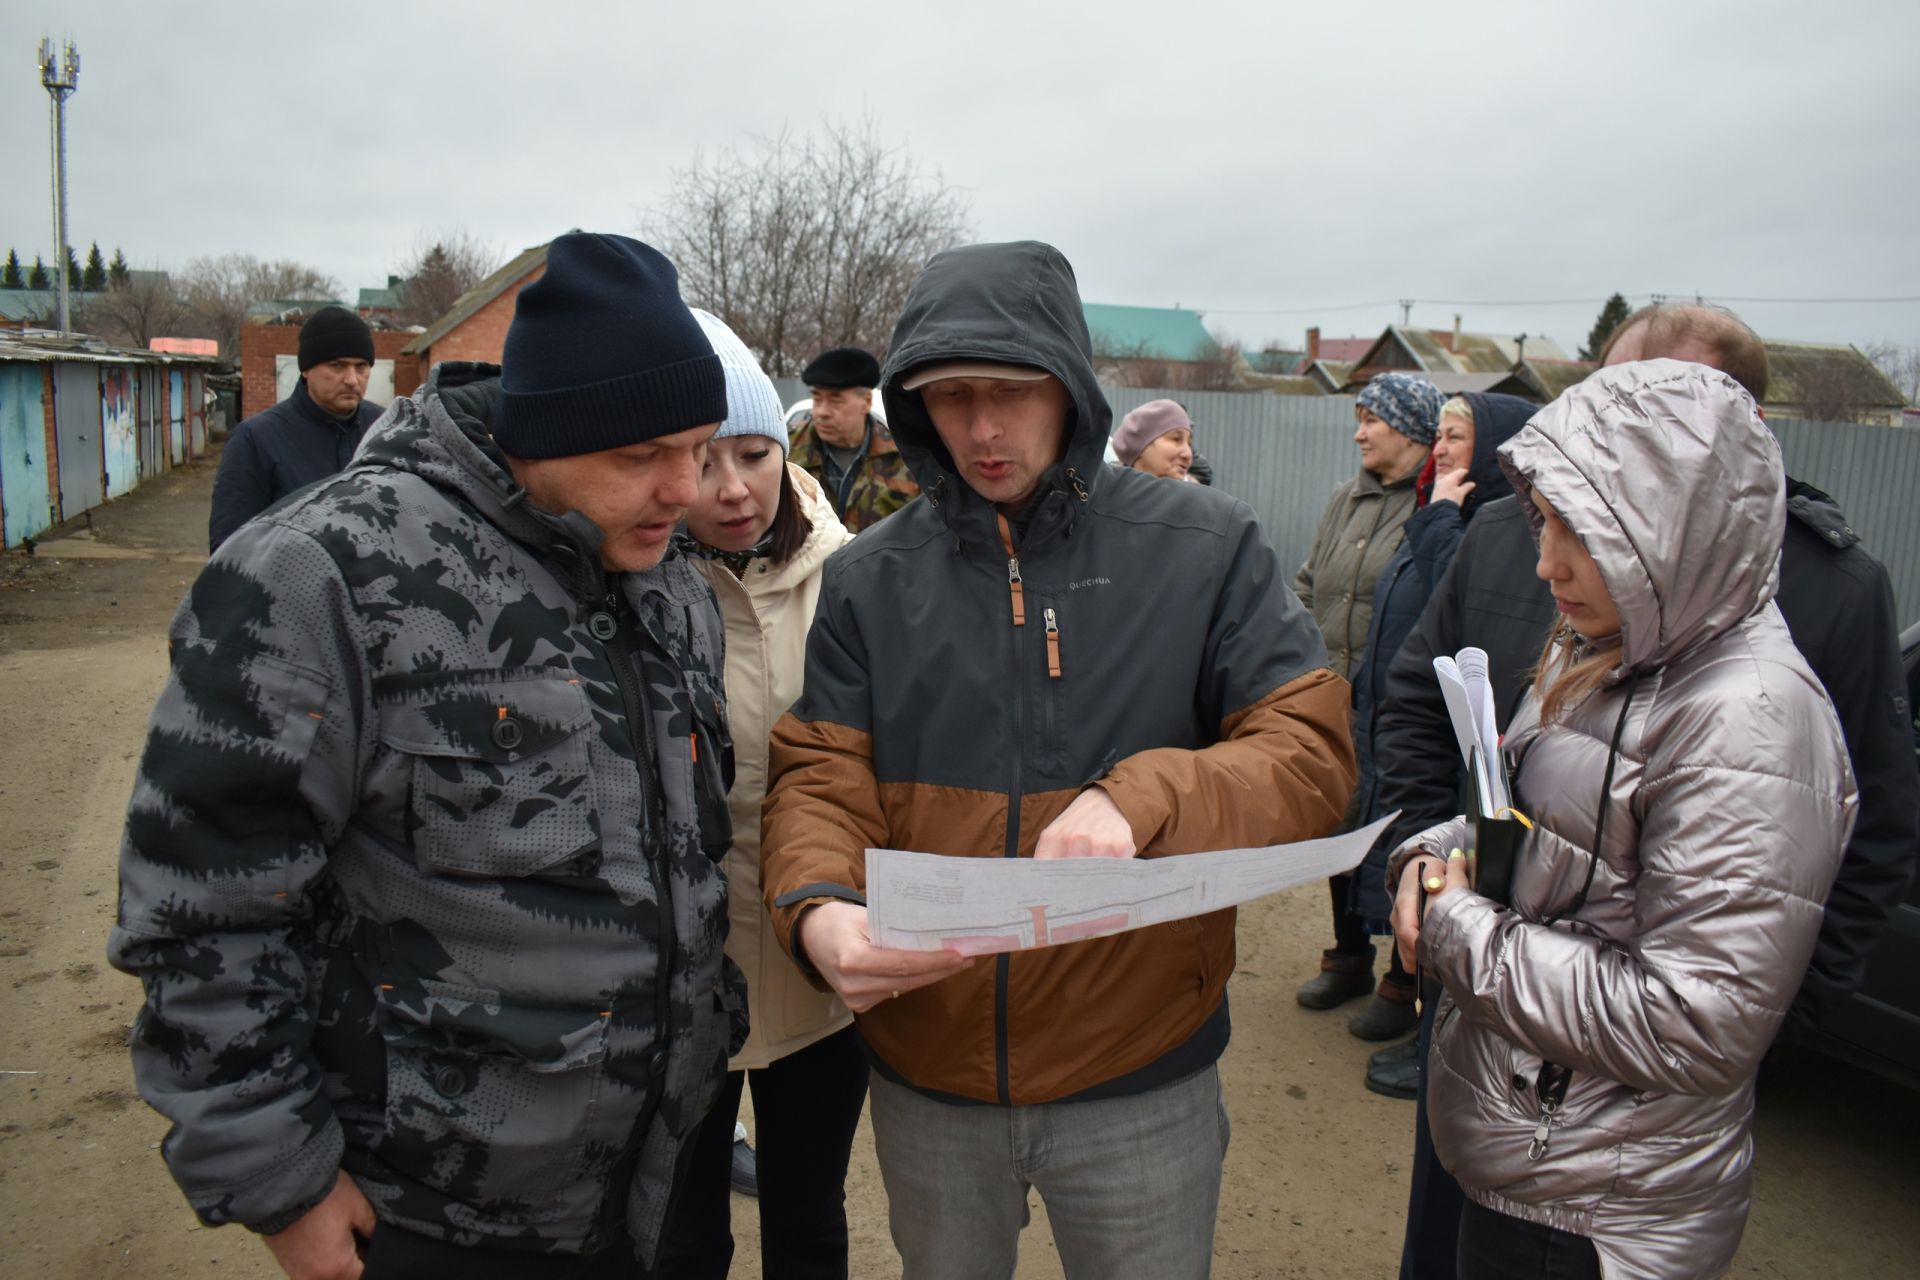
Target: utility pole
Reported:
point(60, 77)
point(1406, 310)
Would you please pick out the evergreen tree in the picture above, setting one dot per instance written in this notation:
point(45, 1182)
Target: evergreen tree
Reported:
point(38, 277)
point(10, 275)
point(1615, 310)
point(118, 273)
point(94, 278)
point(73, 271)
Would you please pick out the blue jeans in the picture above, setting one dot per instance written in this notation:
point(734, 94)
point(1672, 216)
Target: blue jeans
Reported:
point(1131, 1185)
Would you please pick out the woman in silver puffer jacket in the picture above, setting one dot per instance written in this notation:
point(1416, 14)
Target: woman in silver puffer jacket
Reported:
point(1591, 1077)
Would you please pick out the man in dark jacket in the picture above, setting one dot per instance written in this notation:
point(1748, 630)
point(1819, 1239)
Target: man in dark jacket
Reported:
point(1043, 657)
point(1838, 604)
point(306, 437)
point(420, 873)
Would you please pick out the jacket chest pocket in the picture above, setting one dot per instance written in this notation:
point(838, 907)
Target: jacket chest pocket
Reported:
point(1048, 624)
point(712, 758)
point(498, 780)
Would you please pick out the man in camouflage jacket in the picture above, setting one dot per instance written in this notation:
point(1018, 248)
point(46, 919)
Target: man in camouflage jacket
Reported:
point(420, 872)
point(840, 442)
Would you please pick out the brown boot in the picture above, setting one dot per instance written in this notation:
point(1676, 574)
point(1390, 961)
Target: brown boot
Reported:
point(1389, 1015)
point(1341, 978)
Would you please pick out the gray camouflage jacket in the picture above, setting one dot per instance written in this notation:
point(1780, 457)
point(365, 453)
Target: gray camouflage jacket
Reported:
point(407, 896)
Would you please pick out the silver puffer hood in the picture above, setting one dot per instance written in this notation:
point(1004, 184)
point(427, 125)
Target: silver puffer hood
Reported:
point(1669, 478)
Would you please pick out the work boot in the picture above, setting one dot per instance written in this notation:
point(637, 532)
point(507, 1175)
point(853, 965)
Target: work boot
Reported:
point(1389, 1015)
point(1394, 1072)
point(1341, 978)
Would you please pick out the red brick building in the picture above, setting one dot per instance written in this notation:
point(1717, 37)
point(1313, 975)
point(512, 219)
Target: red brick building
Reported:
point(261, 344)
point(475, 328)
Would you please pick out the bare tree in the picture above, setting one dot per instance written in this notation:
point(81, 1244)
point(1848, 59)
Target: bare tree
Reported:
point(441, 268)
point(1901, 364)
point(137, 309)
point(800, 244)
point(219, 291)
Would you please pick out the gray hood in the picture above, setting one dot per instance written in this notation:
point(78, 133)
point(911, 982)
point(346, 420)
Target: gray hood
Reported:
point(1609, 456)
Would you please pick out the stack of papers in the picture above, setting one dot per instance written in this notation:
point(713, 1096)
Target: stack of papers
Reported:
point(1469, 695)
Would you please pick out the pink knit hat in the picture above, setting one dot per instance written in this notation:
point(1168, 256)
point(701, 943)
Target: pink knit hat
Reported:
point(1145, 425)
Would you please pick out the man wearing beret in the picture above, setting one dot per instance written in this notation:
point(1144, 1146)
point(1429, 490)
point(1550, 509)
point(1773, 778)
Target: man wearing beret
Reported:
point(843, 446)
point(306, 437)
point(422, 869)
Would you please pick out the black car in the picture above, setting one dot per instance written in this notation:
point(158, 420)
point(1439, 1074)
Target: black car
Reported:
point(1879, 1025)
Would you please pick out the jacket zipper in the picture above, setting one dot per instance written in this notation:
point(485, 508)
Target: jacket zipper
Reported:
point(640, 725)
point(1003, 963)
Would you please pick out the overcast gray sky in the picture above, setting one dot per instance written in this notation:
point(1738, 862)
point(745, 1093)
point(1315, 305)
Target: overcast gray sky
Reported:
point(1274, 165)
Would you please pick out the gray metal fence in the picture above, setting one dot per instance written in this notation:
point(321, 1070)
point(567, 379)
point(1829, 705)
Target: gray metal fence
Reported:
point(1283, 455)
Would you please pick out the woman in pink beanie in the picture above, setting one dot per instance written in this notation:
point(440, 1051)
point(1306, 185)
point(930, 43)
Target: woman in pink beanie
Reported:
point(1156, 438)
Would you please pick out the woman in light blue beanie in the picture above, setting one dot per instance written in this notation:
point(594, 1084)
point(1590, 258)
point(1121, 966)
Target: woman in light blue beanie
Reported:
point(763, 530)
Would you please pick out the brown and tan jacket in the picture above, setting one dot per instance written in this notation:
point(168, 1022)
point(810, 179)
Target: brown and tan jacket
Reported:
point(1152, 650)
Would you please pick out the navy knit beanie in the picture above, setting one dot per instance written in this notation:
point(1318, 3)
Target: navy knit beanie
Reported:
point(334, 333)
point(602, 353)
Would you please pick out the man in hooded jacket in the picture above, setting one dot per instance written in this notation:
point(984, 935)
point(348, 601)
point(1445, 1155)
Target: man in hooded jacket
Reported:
point(1044, 658)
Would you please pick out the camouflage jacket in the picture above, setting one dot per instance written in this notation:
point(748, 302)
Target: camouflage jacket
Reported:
point(879, 484)
point(408, 894)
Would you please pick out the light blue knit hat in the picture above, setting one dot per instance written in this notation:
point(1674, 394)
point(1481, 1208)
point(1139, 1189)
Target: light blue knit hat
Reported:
point(753, 406)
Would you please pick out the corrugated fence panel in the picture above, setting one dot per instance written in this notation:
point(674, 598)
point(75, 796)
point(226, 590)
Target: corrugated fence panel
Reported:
point(1284, 455)
point(1874, 474)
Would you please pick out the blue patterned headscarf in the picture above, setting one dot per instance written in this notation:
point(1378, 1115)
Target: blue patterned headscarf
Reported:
point(1406, 402)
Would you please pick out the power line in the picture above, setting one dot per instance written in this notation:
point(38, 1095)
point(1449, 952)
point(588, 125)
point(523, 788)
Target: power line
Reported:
point(1531, 302)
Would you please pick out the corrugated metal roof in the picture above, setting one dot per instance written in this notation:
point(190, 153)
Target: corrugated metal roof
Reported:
point(274, 309)
point(1158, 333)
point(1286, 384)
point(480, 295)
point(44, 348)
point(1551, 377)
point(1795, 368)
point(371, 298)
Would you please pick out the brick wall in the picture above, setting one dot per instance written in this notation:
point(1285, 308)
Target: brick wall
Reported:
point(481, 336)
point(260, 343)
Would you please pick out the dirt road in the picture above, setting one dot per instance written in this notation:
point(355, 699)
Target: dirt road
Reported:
point(1315, 1181)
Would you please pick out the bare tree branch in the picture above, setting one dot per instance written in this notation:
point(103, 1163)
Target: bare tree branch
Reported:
point(219, 291)
point(440, 269)
point(801, 244)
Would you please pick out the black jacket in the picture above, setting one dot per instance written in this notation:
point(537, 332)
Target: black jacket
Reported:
point(1428, 543)
point(1838, 604)
point(278, 450)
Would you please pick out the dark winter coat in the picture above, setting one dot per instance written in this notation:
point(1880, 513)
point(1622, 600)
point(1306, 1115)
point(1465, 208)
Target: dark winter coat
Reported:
point(1186, 682)
point(1838, 604)
point(1428, 542)
point(420, 873)
point(278, 450)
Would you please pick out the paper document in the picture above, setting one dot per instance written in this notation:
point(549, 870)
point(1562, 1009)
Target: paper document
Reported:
point(979, 906)
point(1468, 691)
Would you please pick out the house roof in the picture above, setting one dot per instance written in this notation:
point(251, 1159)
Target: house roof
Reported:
point(1332, 374)
point(1346, 350)
point(1796, 368)
point(1286, 384)
point(39, 347)
point(371, 298)
point(1438, 351)
point(38, 304)
point(1158, 333)
point(467, 304)
point(1551, 377)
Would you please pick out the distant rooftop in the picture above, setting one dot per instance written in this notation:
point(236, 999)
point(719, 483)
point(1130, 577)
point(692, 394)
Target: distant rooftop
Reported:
point(1152, 333)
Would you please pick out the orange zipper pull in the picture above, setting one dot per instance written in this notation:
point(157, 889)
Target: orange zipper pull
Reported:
point(1053, 644)
point(1014, 587)
point(693, 744)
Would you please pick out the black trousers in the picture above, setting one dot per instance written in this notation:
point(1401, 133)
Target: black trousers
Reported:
point(395, 1253)
point(1434, 1200)
point(806, 1107)
point(1494, 1246)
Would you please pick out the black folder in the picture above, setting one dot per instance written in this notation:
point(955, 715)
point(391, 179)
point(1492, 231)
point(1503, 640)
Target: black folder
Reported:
point(1496, 841)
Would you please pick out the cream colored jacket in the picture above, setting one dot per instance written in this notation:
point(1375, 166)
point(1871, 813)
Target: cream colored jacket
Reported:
point(768, 612)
